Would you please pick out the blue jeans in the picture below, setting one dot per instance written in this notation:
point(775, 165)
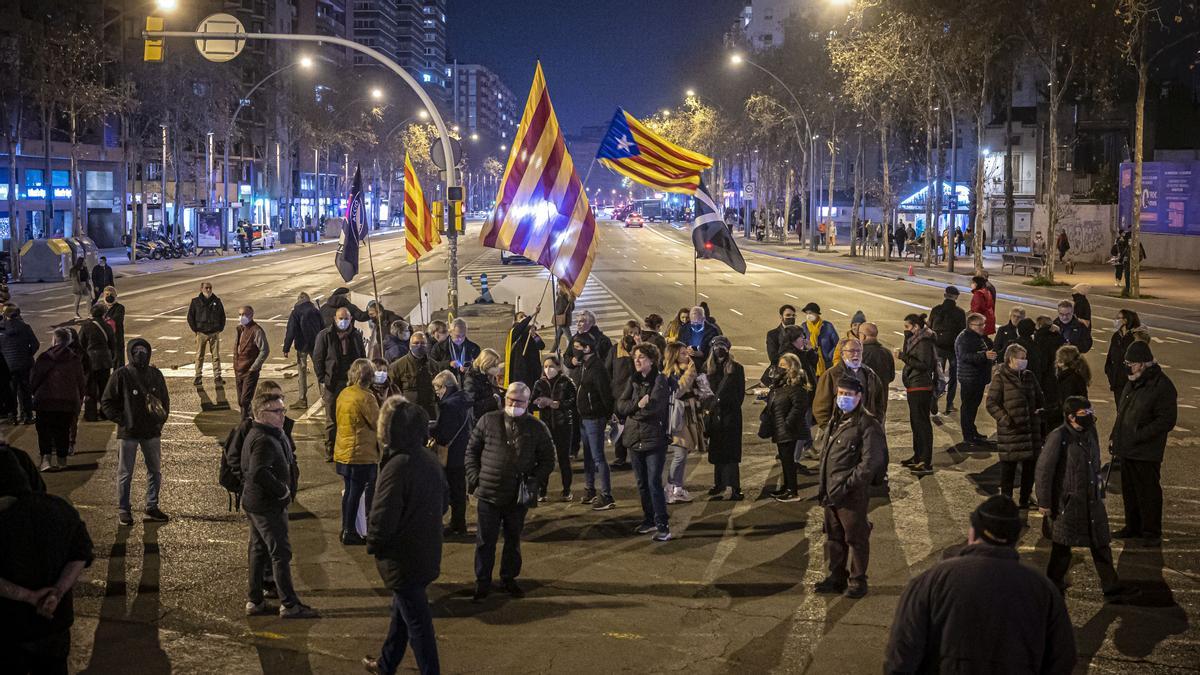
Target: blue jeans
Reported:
point(491, 520)
point(678, 465)
point(647, 471)
point(127, 457)
point(593, 446)
point(358, 478)
point(411, 622)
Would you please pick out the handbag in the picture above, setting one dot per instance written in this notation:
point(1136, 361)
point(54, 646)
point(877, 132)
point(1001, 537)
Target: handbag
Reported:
point(766, 420)
point(525, 496)
point(676, 417)
point(443, 451)
point(154, 406)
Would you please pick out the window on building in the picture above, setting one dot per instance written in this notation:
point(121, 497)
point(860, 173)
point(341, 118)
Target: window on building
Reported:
point(427, 10)
point(33, 178)
point(426, 77)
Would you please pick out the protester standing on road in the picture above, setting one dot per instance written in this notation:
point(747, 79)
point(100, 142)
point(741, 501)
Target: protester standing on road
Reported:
point(1073, 330)
point(1146, 415)
point(947, 321)
point(1114, 362)
point(114, 315)
point(874, 392)
point(820, 335)
point(585, 324)
point(58, 384)
point(381, 385)
point(727, 378)
point(1008, 333)
point(437, 331)
point(356, 449)
point(652, 333)
point(450, 434)
point(206, 318)
point(413, 374)
point(18, 344)
point(1046, 341)
point(855, 332)
point(303, 326)
point(336, 348)
point(81, 284)
point(340, 299)
point(854, 456)
point(457, 349)
point(944, 613)
point(395, 343)
point(250, 352)
point(920, 369)
point(784, 420)
point(594, 403)
point(620, 370)
point(102, 277)
point(697, 335)
point(405, 534)
point(975, 355)
point(554, 401)
point(508, 455)
point(645, 403)
point(878, 357)
point(96, 339)
point(137, 400)
point(564, 307)
point(1014, 400)
point(984, 302)
point(1073, 376)
point(481, 382)
point(775, 336)
point(1082, 305)
point(688, 389)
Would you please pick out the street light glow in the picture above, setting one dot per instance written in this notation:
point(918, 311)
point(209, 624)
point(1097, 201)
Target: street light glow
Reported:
point(424, 114)
point(306, 62)
point(735, 59)
point(690, 93)
point(474, 137)
point(454, 128)
point(166, 5)
point(377, 93)
point(666, 113)
point(503, 148)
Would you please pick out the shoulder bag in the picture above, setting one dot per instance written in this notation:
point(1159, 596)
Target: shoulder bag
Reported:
point(155, 409)
point(525, 496)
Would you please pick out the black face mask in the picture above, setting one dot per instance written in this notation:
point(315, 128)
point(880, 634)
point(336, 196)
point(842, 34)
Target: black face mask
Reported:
point(720, 353)
point(789, 321)
point(1086, 421)
point(110, 299)
point(140, 358)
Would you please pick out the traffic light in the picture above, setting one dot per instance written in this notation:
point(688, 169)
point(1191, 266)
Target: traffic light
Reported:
point(439, 220)
point(460, 223)
point(153, 50)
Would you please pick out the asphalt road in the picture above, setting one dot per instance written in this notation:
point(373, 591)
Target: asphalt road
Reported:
point(729, 594)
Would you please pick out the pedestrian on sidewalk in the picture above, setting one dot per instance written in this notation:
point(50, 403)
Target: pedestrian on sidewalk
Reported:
point(898, 239)
point(413, 374)
point(251, 349)
point(564, 307)
point(554, 401)
point(508, 455)
point(784, 421)
point(1015, 401)
point(395, 344)
point(727, 378)
point(404, 534)
point(206, 319)
point(948, 321)
point(270, 485)
point(81, 285)
point(689, 392)
point(594, 403)
point(984, 590)
point(356, 449)
point(1008, 334)
point(976, 356)
point(336, 348)
point(450, 433)
point(1062, 244)
point(18, 344)
point(878, 357)
point(1124, 325)
point(303, 326)
point(114, 316)
point(1147, 414)
point(853, 458)
point(102, 278)
point(983, 302)
point(96, 339)
point(57, 383)
point(137, 400)
point(919, 355)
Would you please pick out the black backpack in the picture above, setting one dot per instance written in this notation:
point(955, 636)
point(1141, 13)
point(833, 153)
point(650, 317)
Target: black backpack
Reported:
point(229, 474)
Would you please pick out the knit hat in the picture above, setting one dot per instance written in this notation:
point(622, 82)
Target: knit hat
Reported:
point(721, 341)
point(812, 307)
point(952, 291)
point(858, 318)
point(1139, 352)
point(1082, 289)
point(997, 521)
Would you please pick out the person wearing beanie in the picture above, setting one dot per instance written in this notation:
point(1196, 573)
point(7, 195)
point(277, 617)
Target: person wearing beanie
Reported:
point(820, 335)
point(982, 591)
point(947, 321)
point(1146, 415)
point(137, 400)
point(855, 332)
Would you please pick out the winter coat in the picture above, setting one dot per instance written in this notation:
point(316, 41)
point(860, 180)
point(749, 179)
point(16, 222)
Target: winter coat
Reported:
point(1005, 336)
point(124, 399)
point(484, 394)
point(501, 450)
point(1114, 362)
point(1068, 383)
point(946, 321)
point(827, 339)
point(357, 413)
point(57, 381)
point(1075, 333)
point(646, 428)
point(698, 338)
point(98, 343)
point(1069, 483)
point(775, 344)
point(267, 476)
point(854, 453)
point(983, 302)
point(981, 612)
point(102, 277)
point(338, 299)
point(620, 371)
point(594, 396)
point(303, 326)
point(974, 367)
point(788, 407)
point(1013, 399)
point(18, 344)
point(686, 390)
point(920, 361)
point(1046, 342)
point(206, 315)
point(1147, 413)
point(453, 426)
point(523, 361)
point(1083, 307)
point(331, 363)
point(724, 426)
point(563, 420)
point(875, 394)
point(415, 378)
point(446, 351)
point(404, 528)
point(250, 348)
point(881, 360)
point(394, 348)
point(564, 307)
point(116, 314)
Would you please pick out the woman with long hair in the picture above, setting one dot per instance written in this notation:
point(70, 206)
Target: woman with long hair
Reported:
point(682, 317)
point(786, 418)
point(81, 284)
point(687, 430)
point(983, 302)
point(919, 355)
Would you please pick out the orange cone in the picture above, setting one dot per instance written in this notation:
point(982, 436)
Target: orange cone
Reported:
point(910, 270)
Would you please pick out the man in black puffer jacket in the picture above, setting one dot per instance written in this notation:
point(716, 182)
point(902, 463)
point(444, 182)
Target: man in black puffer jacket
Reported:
point(946, 321)
point(973, 349)
point(206, 319)
point(505, 448)
point(18, 344)
point(594, 402)
point(338, 299)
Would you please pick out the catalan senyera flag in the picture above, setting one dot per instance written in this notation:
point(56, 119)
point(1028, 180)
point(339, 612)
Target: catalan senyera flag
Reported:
point(542, 211)
point(420, 234)
point(631, 149)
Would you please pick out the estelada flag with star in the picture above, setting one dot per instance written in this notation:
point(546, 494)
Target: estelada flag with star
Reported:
point(354, 231)
point(542, 210)
point(631, 149)
point(420, 235)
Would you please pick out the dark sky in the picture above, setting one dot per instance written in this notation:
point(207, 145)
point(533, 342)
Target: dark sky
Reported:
point(597, 54)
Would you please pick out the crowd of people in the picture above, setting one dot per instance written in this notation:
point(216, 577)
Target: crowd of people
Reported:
point(418, 418)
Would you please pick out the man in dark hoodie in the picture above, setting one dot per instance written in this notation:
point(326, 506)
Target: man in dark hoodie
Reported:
point(136, 399)
point(18, 344)
point(304, 323)
point(57, 381)
point(338, 299)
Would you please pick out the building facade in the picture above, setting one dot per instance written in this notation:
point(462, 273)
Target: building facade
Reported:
point(483, 104)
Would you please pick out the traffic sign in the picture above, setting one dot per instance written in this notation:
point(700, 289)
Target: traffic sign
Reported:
point(439, 156)
point(220, 50)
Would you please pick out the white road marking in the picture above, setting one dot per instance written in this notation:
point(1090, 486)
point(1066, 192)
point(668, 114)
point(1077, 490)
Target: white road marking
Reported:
point(736, 312)
point(167, 337)
point(676, 283)
point(704, 295)
point(838, 311)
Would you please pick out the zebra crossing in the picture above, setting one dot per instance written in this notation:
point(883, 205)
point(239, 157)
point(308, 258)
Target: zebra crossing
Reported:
point(611, 313)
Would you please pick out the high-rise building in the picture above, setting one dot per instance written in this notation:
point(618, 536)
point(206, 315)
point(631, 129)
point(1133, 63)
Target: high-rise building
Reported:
point(482, 103)
point(325, 17)
point(410, 32)
point(374, 23)
point(761, 22)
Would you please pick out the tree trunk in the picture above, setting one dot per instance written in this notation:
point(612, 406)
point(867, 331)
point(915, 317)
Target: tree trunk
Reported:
point(1052, 196)
point(887, 188)
point(1139, 130)
point(952, 226)
point(16, 227)
point(939, 184)
point(854, 213)
point(177, 211)
point(74, 181)
point(1010, 203)
point(929, 242)
point(977, 241)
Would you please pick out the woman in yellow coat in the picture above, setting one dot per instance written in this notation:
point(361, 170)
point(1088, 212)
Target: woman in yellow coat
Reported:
point(355, 449)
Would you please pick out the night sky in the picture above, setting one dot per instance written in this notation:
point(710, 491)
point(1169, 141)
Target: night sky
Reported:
point(598, 54)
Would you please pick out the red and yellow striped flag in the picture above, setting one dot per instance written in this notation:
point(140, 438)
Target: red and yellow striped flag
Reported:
point(420, 235)
point(542, 211)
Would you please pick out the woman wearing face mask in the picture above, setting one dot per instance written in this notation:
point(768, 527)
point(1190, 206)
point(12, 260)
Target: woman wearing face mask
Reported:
point(114, 314)
point(482, 382)
point(728, 380)
point(554, 402)
point(1014, 400)
point(785, 420)
point(677, 324)
point(356, 447)
point(919, 355)
point(395, 344)
point(983, 302)
point(381, 385)
point(1073, 377)
point(687, 390)
point(449, 436)
point(1114, 363)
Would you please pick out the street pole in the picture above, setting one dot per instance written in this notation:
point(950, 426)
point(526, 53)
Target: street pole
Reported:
point(208, 162)
point(317, 190)
point(162, 201)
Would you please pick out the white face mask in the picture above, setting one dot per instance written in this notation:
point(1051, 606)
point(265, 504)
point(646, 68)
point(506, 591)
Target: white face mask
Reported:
point(812, 318)
point(551, 373)
point(1117, 323)
point(343, 324)
point(244, 320)
point(1020, 364)
point(381, 377)
point(514, 411)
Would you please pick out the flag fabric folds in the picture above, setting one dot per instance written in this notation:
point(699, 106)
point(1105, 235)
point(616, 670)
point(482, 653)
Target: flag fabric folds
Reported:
point(710, 234)
point(631, 149)
point(354, 231)
point(420, 233)
point(542, 211)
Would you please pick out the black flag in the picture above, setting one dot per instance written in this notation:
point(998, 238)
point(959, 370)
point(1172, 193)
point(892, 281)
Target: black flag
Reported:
point(353, 231)
point(711, 236)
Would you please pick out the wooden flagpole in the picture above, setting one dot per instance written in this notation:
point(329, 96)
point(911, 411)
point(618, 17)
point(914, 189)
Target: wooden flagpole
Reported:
point(420, 297)
point(375, 290)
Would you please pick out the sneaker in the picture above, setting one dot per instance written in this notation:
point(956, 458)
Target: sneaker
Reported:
point(856, 589)
point(671, 494)
point(197, 381)
point(46, 465)
point(830, 586)
point(542, 498)
point(511, 587)
point(681, 495)
point(125, 519)
point(662, 535)
point(298, 611)
point(153, 514)
point(604, 503)
point(787, 497)
point(352, 539)
point(58, 463)
point(567, 496)
point(71, 450)
point(588, 497)
point(645, 528)
point(482, 589)
point(371, 665)
point(714, 491)
point(777, 492)
point(257, 610)
point(737, 496)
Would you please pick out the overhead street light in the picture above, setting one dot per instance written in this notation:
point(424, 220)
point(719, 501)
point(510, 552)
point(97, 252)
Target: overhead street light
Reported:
point(474, 136)
point(376, 93)
point(690, 93)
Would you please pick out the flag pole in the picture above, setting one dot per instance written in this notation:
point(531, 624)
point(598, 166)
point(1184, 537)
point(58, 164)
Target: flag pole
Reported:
point(375, 289)
point(695, 281)
point(420, 299)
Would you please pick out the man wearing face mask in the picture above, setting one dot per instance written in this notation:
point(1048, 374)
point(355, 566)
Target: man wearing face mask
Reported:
point(336, 347)
point(1146, 415)
point(114, 312)
point(102, 278)
point(585, 324)
point(505, 449)
point(303, 326)
point(457, 349)
point(1014, 400)
point(395, 344)
point(1070, 491)
point(851, 365)
point(820, 335)
point(250, 352)
point(206, 318)
point(775, 340)
point(132, 400)
point(554, 401)
point(1073, 331)
point(975, 355)
point(413, 374)
point(697, 336)
point(854, 455)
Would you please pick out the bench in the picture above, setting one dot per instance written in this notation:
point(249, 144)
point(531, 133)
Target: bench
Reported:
point(1030, 264)
point(998, 245)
